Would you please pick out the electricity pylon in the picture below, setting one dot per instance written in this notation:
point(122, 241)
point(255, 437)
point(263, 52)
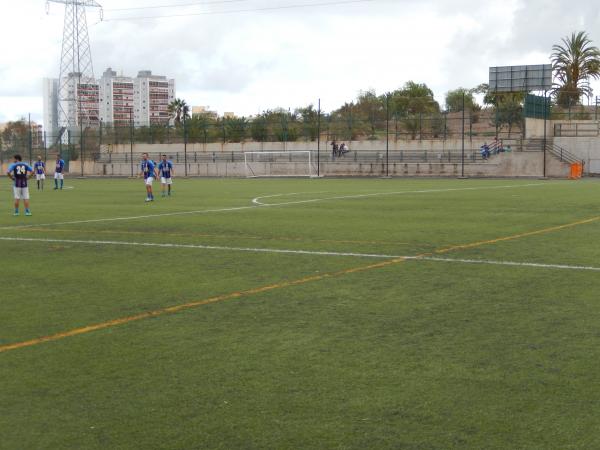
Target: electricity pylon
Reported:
point(77, 88)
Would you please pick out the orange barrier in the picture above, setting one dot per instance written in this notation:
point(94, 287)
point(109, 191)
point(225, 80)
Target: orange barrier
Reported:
point(576, 171)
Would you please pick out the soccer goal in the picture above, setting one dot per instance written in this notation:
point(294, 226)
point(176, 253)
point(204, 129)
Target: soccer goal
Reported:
point(279, 164)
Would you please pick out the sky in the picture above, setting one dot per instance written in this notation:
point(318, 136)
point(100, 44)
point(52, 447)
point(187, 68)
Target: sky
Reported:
point(244, 56)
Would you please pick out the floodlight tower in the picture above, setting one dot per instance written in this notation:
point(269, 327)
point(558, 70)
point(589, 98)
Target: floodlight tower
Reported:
point(77, 89)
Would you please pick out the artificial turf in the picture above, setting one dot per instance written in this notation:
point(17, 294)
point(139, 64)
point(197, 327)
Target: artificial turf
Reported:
point(331, 351)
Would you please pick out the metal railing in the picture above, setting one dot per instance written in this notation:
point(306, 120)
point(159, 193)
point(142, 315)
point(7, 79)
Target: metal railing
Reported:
point(577, 129)
point(360, 157)
point(562, 154)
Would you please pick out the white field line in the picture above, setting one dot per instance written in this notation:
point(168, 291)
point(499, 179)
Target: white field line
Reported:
point(503, 263)
point(305, 252)
point(258, 202)
point(198, 246)
point(268, 205)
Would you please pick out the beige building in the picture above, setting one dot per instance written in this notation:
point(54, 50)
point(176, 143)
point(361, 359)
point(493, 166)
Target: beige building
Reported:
point(204, 110)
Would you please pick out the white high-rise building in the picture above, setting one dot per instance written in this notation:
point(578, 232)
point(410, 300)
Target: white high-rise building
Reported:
point(153, 94)
point(116, 99)
point(50, 105)
point(83, 111)
point(143, 100)
point(112, 100)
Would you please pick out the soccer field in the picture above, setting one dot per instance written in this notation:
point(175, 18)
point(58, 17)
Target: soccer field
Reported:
point(302, 314)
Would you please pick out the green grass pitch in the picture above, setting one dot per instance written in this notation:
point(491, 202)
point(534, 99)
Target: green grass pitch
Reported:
point(302, 326)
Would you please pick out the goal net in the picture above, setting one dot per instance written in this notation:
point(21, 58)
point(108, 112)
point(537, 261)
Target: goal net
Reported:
point(279, 164)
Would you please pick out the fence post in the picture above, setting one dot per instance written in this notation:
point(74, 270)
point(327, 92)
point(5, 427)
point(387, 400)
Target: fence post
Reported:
point(185, 144)
point(131, 140)
point(30, 142)
point(545, 127)
point(387, 135)
point(319, 139)
point(81, 147)
point(471, 126)
point(445, 125)
point(351, 125)
point(45, 150)
point(462, 156)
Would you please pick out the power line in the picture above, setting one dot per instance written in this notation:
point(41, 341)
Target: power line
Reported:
point(238, 11)
point(177, 5)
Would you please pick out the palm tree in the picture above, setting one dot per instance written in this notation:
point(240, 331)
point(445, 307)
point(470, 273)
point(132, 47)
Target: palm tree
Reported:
point(575, 62)
point(179, 110)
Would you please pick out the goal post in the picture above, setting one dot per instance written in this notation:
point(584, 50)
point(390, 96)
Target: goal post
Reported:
point(279, 164)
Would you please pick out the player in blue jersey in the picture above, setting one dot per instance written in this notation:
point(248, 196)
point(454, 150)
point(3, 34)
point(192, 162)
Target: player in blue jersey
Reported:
point(148, 171)
point(58, 172)
point(166, 172)
point(40, 173)
point(19, 172)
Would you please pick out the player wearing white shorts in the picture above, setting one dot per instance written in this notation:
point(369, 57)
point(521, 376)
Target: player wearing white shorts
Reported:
point(20, 172)
point(40, 173)
point(148, 171)
point(58, 173)
point(166, 171)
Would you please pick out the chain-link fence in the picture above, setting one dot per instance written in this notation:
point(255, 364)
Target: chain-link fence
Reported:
point(375, 119)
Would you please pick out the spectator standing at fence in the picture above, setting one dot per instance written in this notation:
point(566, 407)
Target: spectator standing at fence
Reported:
point(58, 172)
point(335, 148)
point(343, 149)
point(148, 171)
point(20, 172)
point(166, 171)
point(40, 173)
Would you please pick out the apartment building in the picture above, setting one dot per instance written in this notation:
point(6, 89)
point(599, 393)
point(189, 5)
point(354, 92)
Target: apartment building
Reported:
point(112, 100)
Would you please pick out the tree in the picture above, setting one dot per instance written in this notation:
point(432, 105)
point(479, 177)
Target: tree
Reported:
point(413, 98)
point(202, 128)
point(236, 128)
point(15, 136)
point(454, 100)
point(371, 109)
point(258, 128)
point(416, 106)
point(179, 110)
point(509, 108)
point(309, 117)
point(574, 62)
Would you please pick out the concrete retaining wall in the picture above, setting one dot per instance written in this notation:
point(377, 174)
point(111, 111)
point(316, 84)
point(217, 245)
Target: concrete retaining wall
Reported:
point(511, 165)
point(325, 147)
point(586, 148)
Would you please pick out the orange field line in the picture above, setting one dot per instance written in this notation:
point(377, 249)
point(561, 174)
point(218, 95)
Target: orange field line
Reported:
point(517, 236)
point(177, 308)
point(258, 290)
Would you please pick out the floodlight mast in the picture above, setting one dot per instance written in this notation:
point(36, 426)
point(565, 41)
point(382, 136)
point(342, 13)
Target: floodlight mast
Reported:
point(76, 71)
